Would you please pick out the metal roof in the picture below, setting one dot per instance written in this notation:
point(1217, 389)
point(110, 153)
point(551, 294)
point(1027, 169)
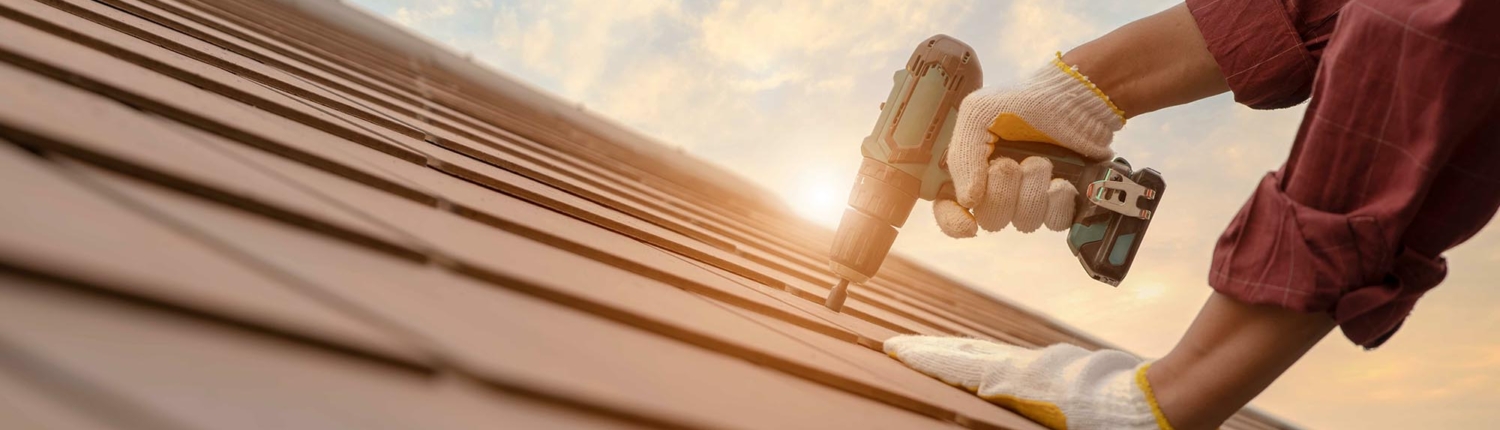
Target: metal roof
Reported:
point(245, 214)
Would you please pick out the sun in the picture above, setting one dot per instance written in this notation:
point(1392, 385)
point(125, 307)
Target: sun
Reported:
point(820, 198)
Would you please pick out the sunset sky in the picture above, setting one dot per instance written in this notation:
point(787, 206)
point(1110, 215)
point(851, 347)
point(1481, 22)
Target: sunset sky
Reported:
point(781, 92)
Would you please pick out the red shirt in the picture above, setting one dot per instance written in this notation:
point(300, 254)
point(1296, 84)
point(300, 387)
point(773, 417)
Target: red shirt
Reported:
point(1396, 161)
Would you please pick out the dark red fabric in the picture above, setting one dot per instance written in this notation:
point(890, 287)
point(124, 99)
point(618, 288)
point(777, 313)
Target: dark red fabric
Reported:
point(1397, 159)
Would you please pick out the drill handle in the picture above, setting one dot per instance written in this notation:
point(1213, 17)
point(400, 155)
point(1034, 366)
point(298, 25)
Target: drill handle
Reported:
point(1066, 163)
point(1114, 206)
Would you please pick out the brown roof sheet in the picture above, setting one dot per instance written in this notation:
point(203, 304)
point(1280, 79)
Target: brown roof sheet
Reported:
point(243, 214)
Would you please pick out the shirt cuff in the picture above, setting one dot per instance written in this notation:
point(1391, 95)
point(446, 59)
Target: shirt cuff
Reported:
point(1259, 50)
point(1283, 253)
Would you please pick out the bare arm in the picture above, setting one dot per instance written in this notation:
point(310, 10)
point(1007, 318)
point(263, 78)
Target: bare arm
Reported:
point(1153, 63)
point(1229, 355)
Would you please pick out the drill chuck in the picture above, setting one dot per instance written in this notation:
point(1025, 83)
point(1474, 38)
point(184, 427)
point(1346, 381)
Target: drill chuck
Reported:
point(882, 198)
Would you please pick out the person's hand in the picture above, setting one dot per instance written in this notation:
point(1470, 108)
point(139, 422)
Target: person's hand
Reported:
point(1056, 105)
point(1061, 386)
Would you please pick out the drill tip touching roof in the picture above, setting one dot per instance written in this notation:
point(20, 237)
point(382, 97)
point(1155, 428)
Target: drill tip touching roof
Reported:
point(228, 213)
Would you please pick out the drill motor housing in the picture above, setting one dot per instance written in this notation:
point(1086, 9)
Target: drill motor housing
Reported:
point(905, 160)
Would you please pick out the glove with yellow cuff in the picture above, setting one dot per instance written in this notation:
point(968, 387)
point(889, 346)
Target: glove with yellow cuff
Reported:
point(1056, 105)
point(1061, 386)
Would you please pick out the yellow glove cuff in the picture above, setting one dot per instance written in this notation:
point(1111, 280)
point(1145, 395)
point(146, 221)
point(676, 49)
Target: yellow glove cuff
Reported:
point(1140, 380)
point(1073, 71)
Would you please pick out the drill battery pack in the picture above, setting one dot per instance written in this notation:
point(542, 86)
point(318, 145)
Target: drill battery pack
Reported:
point(1114, 206)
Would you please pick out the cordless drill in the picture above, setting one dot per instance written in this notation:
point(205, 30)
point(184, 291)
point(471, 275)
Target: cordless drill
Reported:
point(905, 159)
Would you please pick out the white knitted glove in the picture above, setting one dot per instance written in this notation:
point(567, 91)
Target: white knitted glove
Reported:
point(1061, 386)
point(1056, 105)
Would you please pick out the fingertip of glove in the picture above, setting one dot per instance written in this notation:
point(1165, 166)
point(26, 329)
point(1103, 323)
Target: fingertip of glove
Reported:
point(1026, 226)
point(1060, 204)
point(971, 198)
point(968, 159)
point(900, 344)
point(969, 185)
point(1097, 152)
point(1033, 165)
point(898, 340)
point(954, 220)
point(1031, 203)
point(1060, 187)
point(992, 224)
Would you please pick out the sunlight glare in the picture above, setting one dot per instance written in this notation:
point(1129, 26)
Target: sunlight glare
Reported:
point(820, 197)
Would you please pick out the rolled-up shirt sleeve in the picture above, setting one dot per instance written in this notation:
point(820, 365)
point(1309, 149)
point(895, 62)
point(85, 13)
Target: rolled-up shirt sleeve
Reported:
point(1392, 166)
point(1267, 49)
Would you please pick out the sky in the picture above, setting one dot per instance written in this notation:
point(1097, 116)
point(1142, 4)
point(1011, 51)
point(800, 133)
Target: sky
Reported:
point(782, 92)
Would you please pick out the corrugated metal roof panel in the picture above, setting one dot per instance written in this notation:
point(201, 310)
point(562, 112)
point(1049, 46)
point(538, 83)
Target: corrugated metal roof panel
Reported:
point(239, 214)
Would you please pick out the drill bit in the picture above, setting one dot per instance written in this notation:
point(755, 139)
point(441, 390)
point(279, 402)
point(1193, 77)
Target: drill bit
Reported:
point(837, 296)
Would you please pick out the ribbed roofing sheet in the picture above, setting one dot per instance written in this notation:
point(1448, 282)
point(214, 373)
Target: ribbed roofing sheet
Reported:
point(236, 214)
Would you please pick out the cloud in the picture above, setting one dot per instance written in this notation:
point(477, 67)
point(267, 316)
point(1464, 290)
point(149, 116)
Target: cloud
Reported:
point(576, 40)
point(1034, 30)
point(760, 35)
point(412, 17)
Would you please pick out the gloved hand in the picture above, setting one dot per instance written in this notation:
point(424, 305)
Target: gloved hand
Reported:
point(1061, 386)
point(1056, 105)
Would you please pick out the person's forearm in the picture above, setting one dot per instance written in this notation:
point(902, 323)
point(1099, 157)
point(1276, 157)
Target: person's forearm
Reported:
point(1153, 63)
point(1231, 353)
